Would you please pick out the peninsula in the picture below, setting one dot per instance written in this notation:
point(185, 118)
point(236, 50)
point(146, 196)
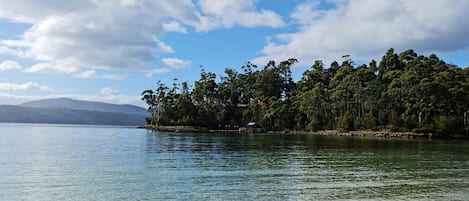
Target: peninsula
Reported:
point(404, 92)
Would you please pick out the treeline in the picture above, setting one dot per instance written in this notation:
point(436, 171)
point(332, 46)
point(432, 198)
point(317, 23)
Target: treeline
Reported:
point(403, 92)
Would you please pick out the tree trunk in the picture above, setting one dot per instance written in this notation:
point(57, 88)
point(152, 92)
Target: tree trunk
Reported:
point(466, 121)
point(420, 119)
point(157, 119)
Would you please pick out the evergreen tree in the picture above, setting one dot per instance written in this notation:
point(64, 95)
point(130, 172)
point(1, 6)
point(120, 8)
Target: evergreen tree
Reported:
point(405, 92)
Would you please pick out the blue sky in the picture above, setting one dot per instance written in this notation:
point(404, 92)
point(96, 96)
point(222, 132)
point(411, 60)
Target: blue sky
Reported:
point(112, 50)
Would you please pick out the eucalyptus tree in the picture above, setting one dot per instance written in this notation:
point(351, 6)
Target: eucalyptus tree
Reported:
point(155, 101)
point(205, 98)
point(405, 91)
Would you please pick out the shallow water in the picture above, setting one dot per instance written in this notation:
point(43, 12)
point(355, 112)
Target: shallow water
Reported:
point(60, 162)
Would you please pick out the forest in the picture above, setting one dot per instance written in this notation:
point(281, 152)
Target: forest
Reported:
point(404, 92)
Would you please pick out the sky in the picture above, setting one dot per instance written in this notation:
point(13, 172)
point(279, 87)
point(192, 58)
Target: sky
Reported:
point(112, 50)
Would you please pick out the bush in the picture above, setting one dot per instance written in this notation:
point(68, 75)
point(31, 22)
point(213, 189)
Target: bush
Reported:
point(345, 123)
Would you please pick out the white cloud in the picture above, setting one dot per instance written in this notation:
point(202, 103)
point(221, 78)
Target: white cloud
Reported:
point(29, 86)
point(163, 47)
point(14, 43)
point(52, 67)
point(228, 13)
point(90, 74)
point(9, 47)
point(174, 26)
point(9, 65)
point(33, 11)
point(86, 74)
point(367, 28)
point(107, 91)
point(95, 34)
point(113, 77)
point(115, 34)
point(128, 3)
point(169, 65)
point(306, 12)
point(150, 73)
point(175, 63)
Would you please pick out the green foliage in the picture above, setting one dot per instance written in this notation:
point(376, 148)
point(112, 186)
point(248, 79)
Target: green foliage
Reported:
point(404, 92)
point(368, 122)
point(345, 122)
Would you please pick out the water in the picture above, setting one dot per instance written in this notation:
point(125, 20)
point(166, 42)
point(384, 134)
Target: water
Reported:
point(53, 162)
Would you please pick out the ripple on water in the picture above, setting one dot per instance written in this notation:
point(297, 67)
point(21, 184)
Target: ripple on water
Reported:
point(80, 163)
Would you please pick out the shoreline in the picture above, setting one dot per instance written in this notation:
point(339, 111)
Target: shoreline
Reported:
point(366, 133)
point(360, 133)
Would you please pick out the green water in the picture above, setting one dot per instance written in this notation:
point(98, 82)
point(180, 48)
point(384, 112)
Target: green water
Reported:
point(52, 162)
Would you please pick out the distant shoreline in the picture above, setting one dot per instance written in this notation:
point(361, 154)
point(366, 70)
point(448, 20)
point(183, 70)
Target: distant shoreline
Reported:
point(360, 133)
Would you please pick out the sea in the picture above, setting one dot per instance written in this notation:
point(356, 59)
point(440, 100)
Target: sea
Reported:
point(82, 162)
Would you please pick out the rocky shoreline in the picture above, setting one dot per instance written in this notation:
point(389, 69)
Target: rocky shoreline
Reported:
point(379, 134)
point(366, 133)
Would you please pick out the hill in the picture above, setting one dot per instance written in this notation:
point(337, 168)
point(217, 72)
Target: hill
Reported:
point(70, 111)
point(69, 103)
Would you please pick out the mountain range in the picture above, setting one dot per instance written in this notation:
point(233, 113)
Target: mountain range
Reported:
point(70, 111)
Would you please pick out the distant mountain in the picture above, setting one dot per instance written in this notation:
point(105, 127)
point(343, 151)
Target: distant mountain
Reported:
point(84, 105)
point(70, 111)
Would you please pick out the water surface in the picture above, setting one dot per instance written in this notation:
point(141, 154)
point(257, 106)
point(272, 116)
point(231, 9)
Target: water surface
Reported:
point(62, 162)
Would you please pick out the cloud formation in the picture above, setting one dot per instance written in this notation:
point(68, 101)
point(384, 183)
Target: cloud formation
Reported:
point(113, 77)
point(86, 74)
point(116, 34)
point(29, 86)
point(107, 91)
point(169, 65)
point(90, 74)
point(228, 13)
point(175, 63)
point(9, 65)
point(367, 28)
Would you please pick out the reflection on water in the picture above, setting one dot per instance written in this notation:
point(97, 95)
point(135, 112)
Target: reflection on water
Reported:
point(80, 163)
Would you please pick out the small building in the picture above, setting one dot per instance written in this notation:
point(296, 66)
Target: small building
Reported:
point(253, 127)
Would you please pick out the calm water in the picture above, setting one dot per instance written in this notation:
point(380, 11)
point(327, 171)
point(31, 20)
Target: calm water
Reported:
point(50, 162)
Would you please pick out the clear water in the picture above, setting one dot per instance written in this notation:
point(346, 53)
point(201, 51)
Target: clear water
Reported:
point(52, 162)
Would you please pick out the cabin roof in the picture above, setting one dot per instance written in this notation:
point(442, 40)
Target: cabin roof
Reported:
point(252, 124)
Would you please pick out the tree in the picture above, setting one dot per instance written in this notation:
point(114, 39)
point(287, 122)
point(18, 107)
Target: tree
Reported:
point(404, 92)
point(155, 102)
point(206, 101)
